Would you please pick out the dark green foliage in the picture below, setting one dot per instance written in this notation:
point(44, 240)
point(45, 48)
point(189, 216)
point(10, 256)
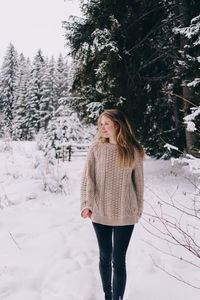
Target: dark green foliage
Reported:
point(123, 63)
point(188, 63)
point(127, 53)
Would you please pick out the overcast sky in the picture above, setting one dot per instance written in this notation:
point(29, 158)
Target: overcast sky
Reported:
point(34, 24)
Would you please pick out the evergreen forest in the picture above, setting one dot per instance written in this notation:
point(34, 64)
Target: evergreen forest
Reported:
point(141, 56)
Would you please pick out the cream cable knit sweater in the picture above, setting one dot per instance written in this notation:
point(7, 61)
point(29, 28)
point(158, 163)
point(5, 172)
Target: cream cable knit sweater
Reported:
point(113, 194)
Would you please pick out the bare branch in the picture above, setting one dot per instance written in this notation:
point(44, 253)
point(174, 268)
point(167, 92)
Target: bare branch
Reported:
point(173, 255)
point(154, 29)
point(175, 276)
point(174, 230)
point(15, 241)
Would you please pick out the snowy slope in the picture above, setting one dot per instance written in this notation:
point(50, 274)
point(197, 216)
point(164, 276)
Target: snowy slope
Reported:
point(48, 252)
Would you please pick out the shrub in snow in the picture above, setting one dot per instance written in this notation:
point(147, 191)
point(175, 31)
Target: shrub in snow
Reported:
point(177, 222)
point(53, 176)
point(2, 124)
point(189, 164)
point(63, 129)
point(175, 226)
point(6, 142)
point(55, 180)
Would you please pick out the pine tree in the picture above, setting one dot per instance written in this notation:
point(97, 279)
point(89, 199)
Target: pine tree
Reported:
point(8, 78)
point(19, 124)
point(124, 61)
point(61, 75)
point(163, 111)
point(34, 94)
point(191, 77)
point(48, 101)
point(188, 64)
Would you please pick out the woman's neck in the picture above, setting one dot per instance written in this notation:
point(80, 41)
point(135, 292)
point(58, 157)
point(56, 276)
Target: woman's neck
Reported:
point(112, 141)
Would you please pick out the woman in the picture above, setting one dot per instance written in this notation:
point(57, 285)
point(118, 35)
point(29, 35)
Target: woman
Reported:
point(112, 195)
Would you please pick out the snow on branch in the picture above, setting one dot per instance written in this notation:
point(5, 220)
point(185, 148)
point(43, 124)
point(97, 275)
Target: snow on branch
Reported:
point(192, 30)
point(189, 118)
point(102, 40)
point(170, 147)
point(194, 83)
point(94, 109)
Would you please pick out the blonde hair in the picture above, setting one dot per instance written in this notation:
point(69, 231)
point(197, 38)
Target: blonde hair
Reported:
point(126, 141)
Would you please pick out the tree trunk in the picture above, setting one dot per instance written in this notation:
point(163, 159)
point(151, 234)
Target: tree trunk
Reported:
point(186, 91)
point(190, 136)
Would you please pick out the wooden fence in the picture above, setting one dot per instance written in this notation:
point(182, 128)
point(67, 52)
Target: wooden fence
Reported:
point(65, 153)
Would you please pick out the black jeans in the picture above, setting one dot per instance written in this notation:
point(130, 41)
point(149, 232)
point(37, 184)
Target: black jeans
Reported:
point(114, 252)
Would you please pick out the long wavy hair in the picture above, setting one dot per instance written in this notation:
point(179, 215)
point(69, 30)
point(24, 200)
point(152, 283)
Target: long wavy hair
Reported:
point(126, 141)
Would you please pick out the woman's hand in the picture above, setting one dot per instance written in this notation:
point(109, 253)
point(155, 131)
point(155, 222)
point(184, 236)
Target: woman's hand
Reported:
point(86, 213)
point(139, 213)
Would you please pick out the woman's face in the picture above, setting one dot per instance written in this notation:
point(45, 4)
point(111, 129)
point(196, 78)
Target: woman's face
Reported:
point(108, 128)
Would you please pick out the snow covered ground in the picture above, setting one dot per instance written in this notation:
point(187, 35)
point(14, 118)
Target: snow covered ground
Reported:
point(48, 252)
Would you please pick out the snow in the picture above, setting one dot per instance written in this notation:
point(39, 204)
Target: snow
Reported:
point(48, 252)
point(189, 118)
point(191, 126)
point(168, 146)
point(94, 109)
point(102, 40)
point(194, 82)
point(191, 30)
point(189, 163)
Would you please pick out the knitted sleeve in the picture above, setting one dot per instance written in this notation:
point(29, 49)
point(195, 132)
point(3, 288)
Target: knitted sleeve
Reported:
point(139, 183)
point(88, 181)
